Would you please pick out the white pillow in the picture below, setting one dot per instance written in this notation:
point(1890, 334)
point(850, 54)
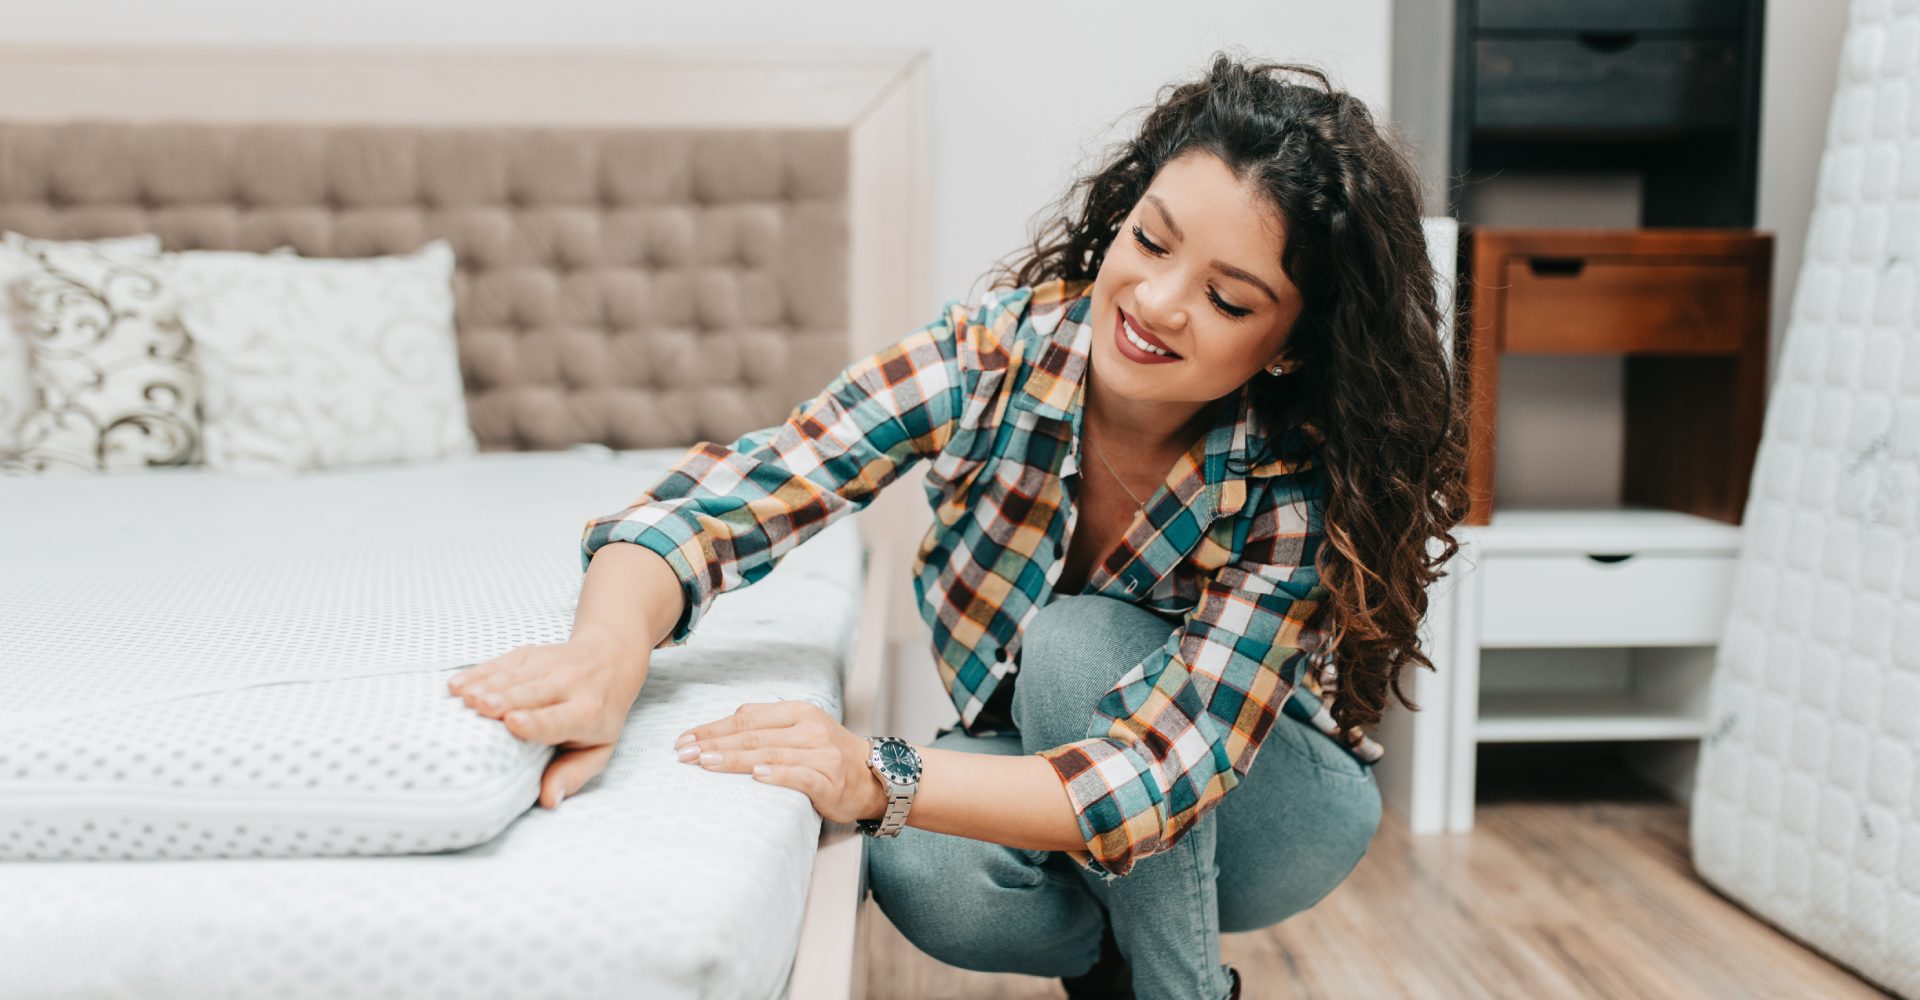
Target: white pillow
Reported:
point(311, 363)
point(16, 373)
point(113, 373)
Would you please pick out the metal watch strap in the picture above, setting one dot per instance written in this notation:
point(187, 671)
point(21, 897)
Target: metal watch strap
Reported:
point(893, 820)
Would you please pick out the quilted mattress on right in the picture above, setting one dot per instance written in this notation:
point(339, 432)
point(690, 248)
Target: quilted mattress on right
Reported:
point(1807, 807)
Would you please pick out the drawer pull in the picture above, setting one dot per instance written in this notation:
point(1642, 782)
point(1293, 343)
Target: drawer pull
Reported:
point(1607, 41)
point(1609, 557)
point(1556, 267)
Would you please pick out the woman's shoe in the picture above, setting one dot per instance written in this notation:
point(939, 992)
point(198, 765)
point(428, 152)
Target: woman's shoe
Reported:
point(1112, 979)
point(1109, 979)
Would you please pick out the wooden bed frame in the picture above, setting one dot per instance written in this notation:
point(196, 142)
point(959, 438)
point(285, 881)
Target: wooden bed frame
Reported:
point(879, 97)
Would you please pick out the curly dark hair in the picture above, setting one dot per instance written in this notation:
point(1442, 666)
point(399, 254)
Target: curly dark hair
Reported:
point(1373, 377)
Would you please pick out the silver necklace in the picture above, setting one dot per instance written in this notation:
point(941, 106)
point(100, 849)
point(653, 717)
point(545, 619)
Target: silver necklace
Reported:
point(1137, 502)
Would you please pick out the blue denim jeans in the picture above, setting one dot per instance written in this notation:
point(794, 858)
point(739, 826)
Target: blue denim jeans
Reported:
point(1294, 827)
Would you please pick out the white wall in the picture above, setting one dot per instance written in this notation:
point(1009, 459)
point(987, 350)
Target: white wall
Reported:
point(1022, 91)
point(1796, 96)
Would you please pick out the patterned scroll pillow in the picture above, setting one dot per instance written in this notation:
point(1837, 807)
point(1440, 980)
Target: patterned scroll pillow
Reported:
point(17, 396)
point(112, 370)
point(312, 363)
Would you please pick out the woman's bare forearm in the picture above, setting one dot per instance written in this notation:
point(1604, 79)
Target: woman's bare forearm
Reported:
point(1013, 800)
point(631, 596)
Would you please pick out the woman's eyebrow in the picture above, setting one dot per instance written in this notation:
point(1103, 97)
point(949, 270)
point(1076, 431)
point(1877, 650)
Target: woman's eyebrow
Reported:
point(1227, 269)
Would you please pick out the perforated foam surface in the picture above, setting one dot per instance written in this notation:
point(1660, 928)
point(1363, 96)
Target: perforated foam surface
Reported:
point(1807, 807)
point(252, 672)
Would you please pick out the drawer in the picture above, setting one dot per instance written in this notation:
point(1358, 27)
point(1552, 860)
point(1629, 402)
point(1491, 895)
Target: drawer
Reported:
point(1604, 599)
point(1582, 304)
point(1610, 15)
point(1606, 82)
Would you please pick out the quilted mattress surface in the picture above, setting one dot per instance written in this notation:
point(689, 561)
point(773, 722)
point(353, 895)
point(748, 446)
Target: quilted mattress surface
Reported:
point(1807, 807)
point(237, 687)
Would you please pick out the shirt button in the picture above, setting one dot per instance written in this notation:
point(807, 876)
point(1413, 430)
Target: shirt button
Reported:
point(1000, 654)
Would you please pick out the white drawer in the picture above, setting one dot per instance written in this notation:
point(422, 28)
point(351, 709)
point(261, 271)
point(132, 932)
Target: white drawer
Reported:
point(1573, 599)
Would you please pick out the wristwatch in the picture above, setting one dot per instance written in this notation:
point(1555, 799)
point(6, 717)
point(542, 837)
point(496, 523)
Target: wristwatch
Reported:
point(898, 765)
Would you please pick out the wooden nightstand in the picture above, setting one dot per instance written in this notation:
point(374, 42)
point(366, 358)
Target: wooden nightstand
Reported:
point(1687, 307)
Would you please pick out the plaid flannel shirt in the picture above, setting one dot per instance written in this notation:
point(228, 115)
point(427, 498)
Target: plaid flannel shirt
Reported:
point(991, 397)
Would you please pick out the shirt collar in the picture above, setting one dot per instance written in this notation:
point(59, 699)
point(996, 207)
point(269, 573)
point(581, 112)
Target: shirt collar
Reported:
point(1056, 376)
point(1055, 385)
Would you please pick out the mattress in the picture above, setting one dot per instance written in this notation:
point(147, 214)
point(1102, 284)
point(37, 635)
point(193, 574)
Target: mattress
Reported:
point(238, 687)
point(1807, 804)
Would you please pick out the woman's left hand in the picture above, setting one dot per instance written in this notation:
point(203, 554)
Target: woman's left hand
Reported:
point(797, 745)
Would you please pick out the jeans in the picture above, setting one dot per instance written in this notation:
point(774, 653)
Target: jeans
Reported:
point(1277, 843)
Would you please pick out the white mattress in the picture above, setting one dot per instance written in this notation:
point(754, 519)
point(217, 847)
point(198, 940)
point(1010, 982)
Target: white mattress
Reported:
point(1807, 807)
point(257, 667)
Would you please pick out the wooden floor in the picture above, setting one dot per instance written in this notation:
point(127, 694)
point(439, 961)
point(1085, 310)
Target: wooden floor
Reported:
point(1546, 898)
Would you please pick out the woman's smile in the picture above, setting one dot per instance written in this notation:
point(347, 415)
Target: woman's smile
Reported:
point(1135, 345)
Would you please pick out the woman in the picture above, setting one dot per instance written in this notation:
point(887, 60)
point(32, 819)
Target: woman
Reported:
point(1221, 357)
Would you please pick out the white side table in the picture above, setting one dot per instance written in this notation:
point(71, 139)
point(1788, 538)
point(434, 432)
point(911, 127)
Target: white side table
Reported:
point(1559, 626)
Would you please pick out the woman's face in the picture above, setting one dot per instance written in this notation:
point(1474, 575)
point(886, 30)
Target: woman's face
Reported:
point(1195, 267)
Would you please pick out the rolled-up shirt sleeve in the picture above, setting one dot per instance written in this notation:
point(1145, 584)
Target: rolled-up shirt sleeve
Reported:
point(725, 514)
point(1181, 728)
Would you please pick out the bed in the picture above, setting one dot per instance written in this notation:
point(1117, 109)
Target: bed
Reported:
point(741, 223)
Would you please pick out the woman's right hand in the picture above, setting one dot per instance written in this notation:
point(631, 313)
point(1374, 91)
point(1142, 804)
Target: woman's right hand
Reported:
point(574, 695)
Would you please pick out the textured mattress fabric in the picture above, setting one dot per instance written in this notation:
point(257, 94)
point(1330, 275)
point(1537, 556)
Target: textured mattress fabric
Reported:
point(226, 679)
point(1807, 807)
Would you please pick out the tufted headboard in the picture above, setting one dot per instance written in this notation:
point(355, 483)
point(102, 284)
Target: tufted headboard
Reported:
point(635, 287)
point(644, 275)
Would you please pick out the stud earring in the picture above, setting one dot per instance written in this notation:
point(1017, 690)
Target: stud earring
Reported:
point(1278, 369)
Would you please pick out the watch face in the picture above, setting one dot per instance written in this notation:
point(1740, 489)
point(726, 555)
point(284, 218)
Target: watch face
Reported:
point(899, 763)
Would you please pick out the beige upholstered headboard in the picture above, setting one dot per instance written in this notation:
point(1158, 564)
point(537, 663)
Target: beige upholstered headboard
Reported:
point(636, 287)
point(634, 277)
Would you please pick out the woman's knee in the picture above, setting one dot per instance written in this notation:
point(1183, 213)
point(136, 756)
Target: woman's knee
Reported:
point(1294, 872)
point(1071, 652)
point(982, 906)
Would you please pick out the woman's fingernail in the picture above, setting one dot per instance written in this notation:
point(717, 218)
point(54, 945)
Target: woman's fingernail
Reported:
point(690, 754)
point(761, 770)
point(685, 738)
point(710, 758)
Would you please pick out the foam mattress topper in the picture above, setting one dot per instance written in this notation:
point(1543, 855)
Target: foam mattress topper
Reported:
point(199, 666)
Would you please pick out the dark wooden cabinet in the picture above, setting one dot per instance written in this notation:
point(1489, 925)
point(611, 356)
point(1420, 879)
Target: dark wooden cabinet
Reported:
point(1609, 15)
point(1668, 88)
point(1591, 82)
